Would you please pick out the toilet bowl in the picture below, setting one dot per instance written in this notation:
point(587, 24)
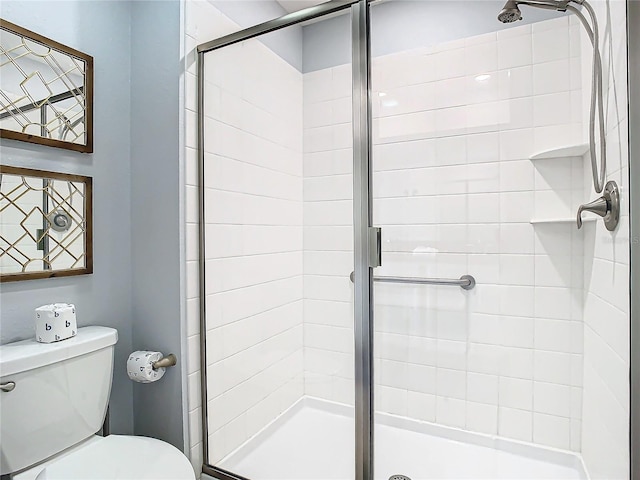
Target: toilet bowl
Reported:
point(116, 457)
point(56, 403)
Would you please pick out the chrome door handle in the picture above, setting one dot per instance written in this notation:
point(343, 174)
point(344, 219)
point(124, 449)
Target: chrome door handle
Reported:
point(607, 206)
point(8, 386)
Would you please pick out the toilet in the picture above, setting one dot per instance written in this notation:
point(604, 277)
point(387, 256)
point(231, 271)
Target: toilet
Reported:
point(57, 405)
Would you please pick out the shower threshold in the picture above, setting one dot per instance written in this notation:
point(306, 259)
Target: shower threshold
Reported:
point(313, 440)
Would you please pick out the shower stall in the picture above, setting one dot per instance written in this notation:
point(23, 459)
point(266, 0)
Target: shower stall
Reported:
point(403, 269)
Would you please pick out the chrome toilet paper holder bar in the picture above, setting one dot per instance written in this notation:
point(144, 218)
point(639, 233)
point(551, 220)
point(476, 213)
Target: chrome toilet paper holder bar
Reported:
point(168, 361)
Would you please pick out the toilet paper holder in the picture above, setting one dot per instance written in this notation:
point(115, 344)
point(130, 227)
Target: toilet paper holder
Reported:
point(168, 361)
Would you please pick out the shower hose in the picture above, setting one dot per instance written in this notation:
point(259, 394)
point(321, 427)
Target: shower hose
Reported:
point(596, 98)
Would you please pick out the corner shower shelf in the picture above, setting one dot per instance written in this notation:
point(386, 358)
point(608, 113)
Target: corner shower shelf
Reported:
point(542, 221)
point(562, 152)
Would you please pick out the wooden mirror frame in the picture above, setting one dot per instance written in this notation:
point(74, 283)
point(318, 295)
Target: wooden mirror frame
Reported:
point(88, 220)
point(88, 93)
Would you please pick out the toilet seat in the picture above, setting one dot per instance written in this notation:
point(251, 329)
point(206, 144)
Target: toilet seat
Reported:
point(121, 457)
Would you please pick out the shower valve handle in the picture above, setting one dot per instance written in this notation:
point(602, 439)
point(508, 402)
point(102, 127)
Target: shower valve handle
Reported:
point(599, 207)
point(607, 206)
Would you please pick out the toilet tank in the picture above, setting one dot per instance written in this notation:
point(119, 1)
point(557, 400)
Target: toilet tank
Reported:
point(60, 396)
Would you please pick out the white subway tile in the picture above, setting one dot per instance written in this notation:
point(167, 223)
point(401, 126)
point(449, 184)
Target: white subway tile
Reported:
point(552, 109)
point(517, 362)
point(482, 388)
point(451, 150)
point(450, 411)
point(553, 302)
point(483, 147)
point(551, 77)
point(450, 64)
point(483, 178)
point(422, 351)
point(484, 207)
point(481, 58)
point(485, 358)
point(552, 431)
point(516, 393)
point(554, 335)
point(549, 45)
point(515, 82)
point(482, 418)
point(482, 87)
point(394, 374)
point(421, 378)
point(515, 51)
point(514, 423)
point(421, 406)
point(516, 144)
point(452, 354)
point(552, 367)
point(517, 332)
point(552, 399)
point(451, 383)
point(318, 114)
point(391, 400)
point(517, 300)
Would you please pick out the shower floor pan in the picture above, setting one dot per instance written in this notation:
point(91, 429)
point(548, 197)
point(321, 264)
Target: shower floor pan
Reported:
point(314, 440)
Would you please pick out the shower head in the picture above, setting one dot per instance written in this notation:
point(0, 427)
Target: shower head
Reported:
point(510, 12)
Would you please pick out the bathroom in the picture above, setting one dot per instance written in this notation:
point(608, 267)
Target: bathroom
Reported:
point(244, 154)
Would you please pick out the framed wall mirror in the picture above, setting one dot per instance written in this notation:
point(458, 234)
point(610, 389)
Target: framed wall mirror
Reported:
point(46, 91)
point(45, 224)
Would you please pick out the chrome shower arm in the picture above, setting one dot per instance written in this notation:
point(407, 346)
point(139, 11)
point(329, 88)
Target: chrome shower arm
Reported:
point(560, 6)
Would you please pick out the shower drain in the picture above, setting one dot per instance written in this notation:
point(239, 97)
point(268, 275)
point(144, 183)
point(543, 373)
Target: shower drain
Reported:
point(399, 477)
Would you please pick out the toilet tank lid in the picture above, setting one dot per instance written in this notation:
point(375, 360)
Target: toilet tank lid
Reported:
point(29, 354)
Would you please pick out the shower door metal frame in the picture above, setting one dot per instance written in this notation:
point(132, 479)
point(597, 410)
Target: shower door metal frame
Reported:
point(362, 208)
point(633, 72)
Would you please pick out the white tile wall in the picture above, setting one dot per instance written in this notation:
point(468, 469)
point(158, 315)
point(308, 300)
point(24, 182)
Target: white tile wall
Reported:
point(328, 235)
point(454, 191)
point(605, 415)
point(253, 224)
point(253, 184)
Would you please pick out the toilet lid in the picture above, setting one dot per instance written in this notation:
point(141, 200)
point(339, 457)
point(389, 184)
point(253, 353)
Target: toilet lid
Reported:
point(120, 457)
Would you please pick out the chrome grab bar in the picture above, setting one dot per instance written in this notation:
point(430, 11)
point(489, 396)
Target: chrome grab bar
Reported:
point(466, 282)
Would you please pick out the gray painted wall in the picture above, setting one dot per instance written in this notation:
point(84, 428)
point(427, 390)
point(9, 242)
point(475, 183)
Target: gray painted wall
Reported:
point(136, 168)
point(156, 210)
point(404, 25)
point(101, 29)
point(286, 43)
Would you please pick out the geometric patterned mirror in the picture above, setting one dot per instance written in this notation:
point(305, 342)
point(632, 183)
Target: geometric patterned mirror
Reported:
point(46, 91)
point(45, 224)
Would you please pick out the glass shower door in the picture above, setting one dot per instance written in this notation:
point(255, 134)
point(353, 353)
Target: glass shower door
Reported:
point(471, 177)
point(278, 253)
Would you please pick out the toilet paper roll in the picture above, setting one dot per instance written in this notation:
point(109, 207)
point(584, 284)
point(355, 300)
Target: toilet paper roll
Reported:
point(140, 366)
point(55, 322)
